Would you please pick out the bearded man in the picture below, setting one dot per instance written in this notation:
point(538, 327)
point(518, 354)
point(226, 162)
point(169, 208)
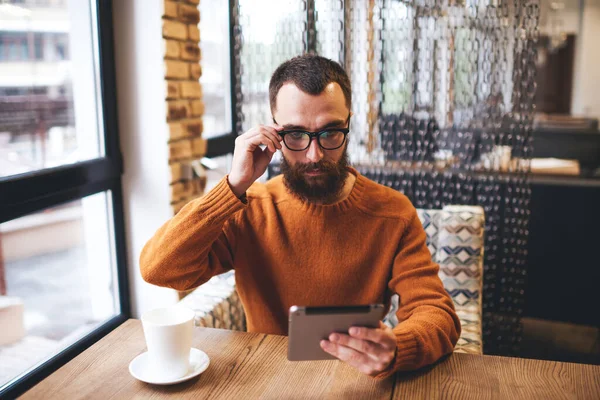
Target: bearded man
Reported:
point(320, 234)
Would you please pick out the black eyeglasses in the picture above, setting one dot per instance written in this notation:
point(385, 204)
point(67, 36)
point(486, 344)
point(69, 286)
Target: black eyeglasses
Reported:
point(328, 139)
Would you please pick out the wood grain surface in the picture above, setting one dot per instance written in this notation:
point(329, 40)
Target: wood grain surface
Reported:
point(242, 366)
point(251, 365)
point(467, 376)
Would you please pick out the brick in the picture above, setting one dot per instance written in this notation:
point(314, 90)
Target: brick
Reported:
point(189, 51)
point(181, 171)
point(172, 89)
point(182, 191)
point(198, 186)
point(198, 147)
point(187, 172)
point(195, 71)
point(171, 48)
point(189, 190)
point(178, 109)
point(192, 127)
point(178, 191)
point(197, 108)
point(170, 9)
point(180, 150)
point(177, 69)
point(190, 90)
point(193, 33)
point(176, 131)
point(188, 14)
point(195, 187)
point(189, 128)
point(186, 191)
point(174, 30)
point(176, 172)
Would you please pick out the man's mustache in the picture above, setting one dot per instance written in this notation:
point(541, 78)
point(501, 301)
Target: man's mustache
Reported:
point(322, 166)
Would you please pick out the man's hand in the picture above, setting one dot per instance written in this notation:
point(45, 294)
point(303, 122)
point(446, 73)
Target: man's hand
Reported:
point(249, 160)
point(371, 351)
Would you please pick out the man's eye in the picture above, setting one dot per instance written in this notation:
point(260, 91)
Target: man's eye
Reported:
point(296, 135)
point(330, 134)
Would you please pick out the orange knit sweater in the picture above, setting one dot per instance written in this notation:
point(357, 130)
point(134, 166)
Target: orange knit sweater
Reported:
point(286, 252)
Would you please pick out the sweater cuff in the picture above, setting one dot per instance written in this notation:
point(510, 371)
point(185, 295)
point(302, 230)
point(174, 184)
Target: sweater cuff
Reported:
point(221, 202)
point(406, 352)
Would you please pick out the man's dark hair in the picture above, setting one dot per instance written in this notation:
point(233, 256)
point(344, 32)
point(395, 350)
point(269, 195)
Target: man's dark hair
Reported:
point(310, 73)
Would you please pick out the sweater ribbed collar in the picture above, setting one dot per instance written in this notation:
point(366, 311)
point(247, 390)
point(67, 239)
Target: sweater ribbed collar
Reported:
point(355, 196)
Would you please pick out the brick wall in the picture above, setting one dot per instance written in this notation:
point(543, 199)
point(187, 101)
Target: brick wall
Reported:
point(183, 103)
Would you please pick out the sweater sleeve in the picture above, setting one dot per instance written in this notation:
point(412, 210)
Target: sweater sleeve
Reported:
point(195, 244)
point(429, 327)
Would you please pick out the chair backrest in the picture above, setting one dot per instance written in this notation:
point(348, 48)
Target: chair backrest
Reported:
point(455, 240)
point(460, 251)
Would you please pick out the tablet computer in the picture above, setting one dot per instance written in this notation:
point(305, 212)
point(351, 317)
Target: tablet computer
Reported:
point(309, 325)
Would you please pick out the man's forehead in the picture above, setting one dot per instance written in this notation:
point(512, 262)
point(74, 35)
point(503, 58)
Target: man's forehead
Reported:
point(289, 91)
point(292, 102)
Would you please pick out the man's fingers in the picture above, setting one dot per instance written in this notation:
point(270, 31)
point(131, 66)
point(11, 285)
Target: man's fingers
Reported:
point(350, 356)
point(263, 158)
point(382, 336)
point(274, 129)
point(257, 140)
point(262, 130)
point(270, 133)
point(355, 359)
point(364, 346)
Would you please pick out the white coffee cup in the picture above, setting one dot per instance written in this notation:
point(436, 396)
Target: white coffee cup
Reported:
point(168, 333)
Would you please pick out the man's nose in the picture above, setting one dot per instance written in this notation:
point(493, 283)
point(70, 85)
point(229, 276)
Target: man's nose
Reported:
point(314, 153)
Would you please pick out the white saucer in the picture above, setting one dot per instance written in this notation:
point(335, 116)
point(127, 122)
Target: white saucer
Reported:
point(138, 368)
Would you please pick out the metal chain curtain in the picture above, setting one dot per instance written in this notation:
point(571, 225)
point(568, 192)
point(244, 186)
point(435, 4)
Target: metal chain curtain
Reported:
point(443, 97)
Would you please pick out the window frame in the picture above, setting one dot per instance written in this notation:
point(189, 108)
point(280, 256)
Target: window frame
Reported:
point(224, 144)
point(27, 193)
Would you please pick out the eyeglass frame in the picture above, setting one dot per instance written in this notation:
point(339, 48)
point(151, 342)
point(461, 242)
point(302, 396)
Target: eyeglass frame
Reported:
point(316, 135)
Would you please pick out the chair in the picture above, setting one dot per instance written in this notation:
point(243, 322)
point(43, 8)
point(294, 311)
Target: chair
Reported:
point(455, 239)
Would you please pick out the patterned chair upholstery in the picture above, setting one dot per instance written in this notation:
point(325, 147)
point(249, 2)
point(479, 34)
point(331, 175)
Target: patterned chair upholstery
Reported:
point(455, 239)
point(217, 304)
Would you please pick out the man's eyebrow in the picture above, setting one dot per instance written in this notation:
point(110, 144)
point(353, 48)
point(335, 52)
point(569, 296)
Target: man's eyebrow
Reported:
point(332, 124)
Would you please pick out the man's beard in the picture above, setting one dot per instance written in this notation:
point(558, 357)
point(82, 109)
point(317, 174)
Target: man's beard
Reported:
point(324, 188)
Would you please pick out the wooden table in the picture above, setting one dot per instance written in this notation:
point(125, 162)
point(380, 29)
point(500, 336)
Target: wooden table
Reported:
point(250, 365)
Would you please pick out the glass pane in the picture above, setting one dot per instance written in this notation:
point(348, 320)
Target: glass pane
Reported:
point(272, 32)
point(215, 80)
point(216, 169)
point(48, 85)
point(57, 281)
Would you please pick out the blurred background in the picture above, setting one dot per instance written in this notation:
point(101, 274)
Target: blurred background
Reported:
point(488, 103)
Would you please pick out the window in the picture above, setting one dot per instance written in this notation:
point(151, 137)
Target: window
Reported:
point(214, 45)
point(265, 28)
point(41, 126)
point(59, 280)
point(216, 89)
point(38, 47)
point(13, 46)
point(61, 47)
point(63, 278)
point(398, 35)
point(30, 46)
